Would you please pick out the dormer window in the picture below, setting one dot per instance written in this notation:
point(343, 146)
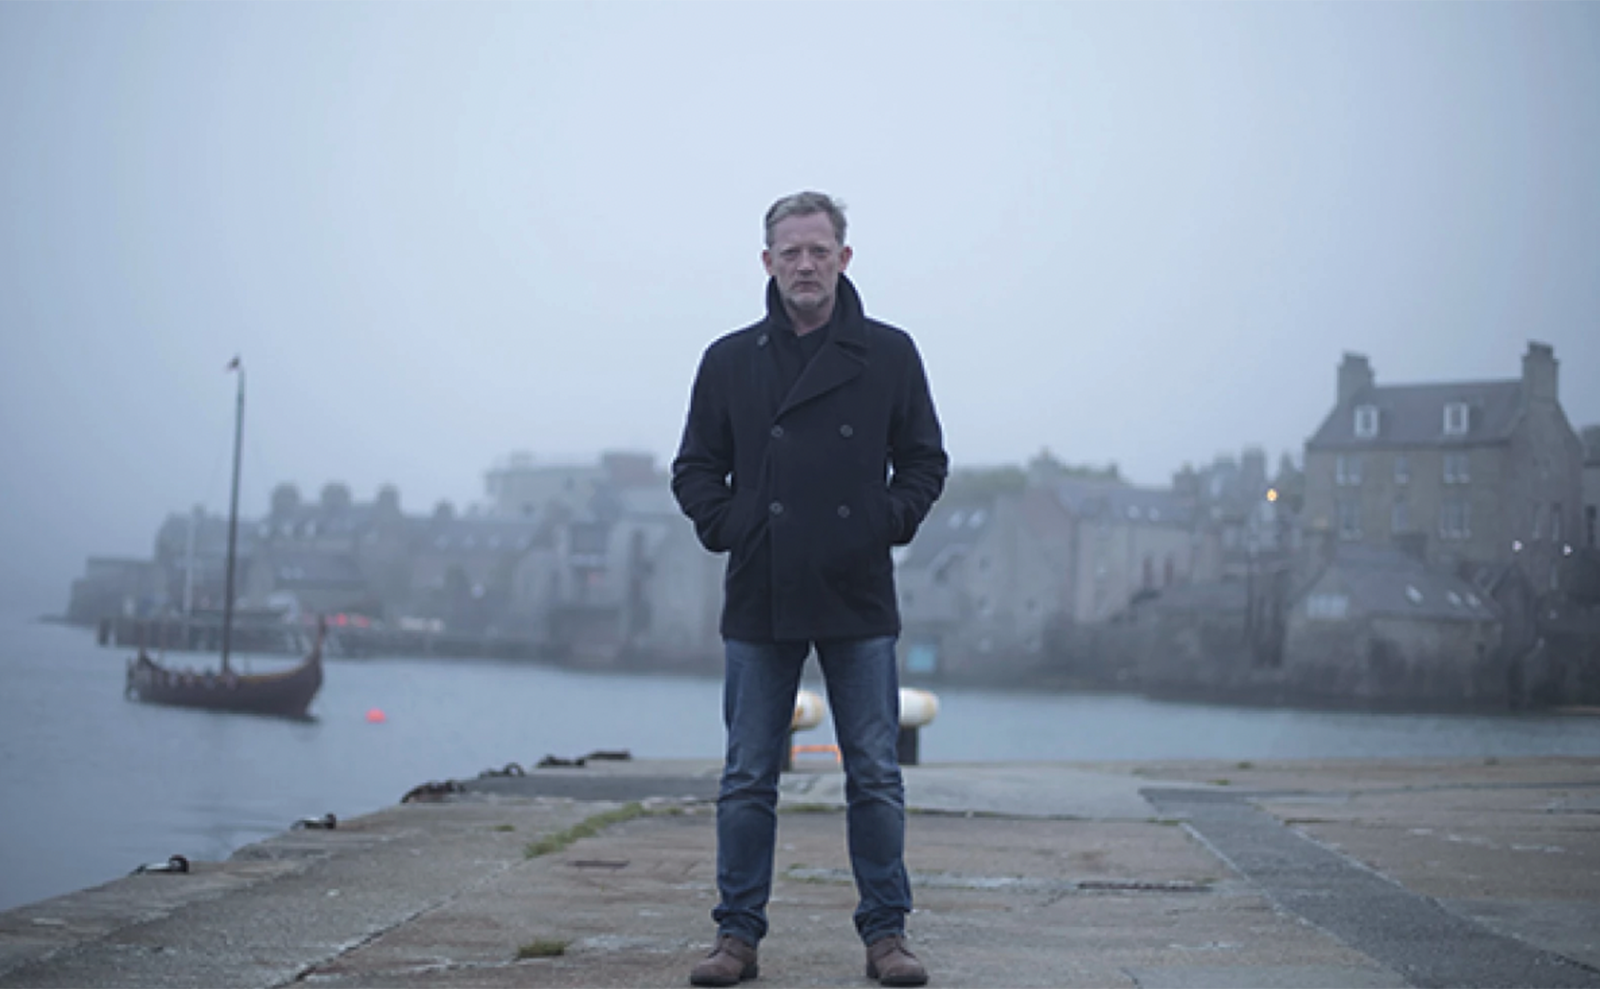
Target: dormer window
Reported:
point(1366, 421)
point(1455, 419)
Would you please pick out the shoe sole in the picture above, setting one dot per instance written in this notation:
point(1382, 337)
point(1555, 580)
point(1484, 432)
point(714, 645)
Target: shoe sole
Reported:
point(753, 972)
point(872, 973)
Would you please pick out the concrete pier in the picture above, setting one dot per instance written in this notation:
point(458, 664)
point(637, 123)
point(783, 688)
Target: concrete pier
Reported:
point(1182, 874)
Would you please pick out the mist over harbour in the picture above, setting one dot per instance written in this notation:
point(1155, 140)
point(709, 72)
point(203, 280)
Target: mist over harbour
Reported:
point(1138, 236)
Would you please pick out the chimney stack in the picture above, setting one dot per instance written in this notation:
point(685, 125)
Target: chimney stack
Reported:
point(1355, 376)
point(1539, 373)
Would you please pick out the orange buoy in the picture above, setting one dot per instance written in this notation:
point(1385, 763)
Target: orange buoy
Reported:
point(376, 716)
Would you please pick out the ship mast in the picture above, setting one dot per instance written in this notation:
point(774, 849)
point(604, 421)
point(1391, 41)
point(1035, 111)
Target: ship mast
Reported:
point(233, 519)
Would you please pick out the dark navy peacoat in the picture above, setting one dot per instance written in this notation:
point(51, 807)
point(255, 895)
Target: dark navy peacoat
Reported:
point(807, 488)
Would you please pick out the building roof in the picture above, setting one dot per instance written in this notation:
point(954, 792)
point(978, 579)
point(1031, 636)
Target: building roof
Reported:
point(949, 532)
point(1124, 503)
point(1413, 416)
point(1381, 580)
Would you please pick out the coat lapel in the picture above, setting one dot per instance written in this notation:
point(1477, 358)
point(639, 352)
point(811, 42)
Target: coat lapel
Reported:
point(835, 364)
point(841, 359)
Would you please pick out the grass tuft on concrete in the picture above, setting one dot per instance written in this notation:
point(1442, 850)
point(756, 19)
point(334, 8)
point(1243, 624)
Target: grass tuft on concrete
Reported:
point(586, 828)
point(543, 948)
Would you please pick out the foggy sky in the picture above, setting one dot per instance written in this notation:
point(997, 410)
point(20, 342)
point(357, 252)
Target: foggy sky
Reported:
point(437, 234)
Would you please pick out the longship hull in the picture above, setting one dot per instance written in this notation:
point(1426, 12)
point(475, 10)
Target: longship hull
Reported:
point(287, 693)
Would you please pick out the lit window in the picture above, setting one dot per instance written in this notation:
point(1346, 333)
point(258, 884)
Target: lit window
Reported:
point(1366, 421)
point(1455, 419)
point(1456, 468)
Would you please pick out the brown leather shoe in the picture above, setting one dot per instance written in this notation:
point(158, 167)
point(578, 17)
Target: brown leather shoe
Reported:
point(892, 963)
point(729, 963)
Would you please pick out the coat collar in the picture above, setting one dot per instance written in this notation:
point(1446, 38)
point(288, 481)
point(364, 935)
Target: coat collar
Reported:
point(843, 355)
point(848, 324)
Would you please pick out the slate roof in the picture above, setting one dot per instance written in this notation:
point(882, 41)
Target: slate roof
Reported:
point(1122, 502)
point(949, 532)
point(1413, 416)
point(1384, 581)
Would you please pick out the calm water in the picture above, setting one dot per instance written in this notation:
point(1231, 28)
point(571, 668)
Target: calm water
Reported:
point(92, 785)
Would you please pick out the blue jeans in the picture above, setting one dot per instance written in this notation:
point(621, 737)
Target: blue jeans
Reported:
point(863, 684)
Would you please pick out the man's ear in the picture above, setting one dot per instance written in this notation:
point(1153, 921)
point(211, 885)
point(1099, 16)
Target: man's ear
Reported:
point(766, 261)
point(845, 254)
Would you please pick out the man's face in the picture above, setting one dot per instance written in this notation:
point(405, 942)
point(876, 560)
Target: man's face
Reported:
point(806, 259)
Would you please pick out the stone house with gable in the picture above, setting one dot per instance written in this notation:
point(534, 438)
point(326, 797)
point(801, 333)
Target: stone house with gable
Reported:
point(1481, 480)
point(1478, 472)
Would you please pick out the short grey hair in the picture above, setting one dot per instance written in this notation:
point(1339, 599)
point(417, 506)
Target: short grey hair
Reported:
point(805, 204)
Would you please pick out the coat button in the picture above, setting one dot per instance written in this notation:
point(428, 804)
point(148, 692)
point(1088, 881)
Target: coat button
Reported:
point(847, 431)
point(761, 341)
point(777, 432)
point(776, 508)
point(844, 511)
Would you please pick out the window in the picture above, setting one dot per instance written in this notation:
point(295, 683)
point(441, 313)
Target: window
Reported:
point(1347, 469)
point(1455, 519)
point(1555, 521)
point(1349, 519)
point(1402, 468)
point(1538, 521)
point(1400, 517)
point(1366, 421)
point(1456, 419)
point(1456, 468)
point(1327, 607)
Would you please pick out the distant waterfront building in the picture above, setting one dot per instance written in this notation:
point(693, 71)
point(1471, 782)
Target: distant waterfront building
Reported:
point(980, 585)
point(1591, 488)
point(1479, 472)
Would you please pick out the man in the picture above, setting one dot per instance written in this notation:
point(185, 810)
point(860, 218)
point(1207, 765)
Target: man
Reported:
point(811, 448)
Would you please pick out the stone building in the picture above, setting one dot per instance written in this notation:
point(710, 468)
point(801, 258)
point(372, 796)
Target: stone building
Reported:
point(1478, 472)
point(1590, 535)
point(1124, 542)
point(981, 584)
point(1380, 626)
